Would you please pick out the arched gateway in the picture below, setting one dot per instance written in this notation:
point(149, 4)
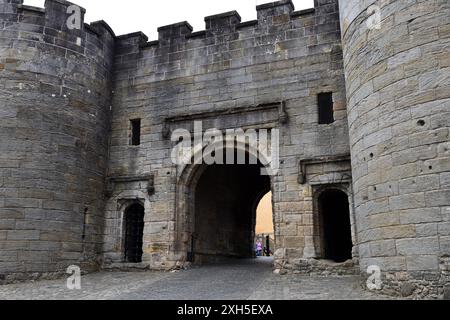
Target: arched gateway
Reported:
point(216, 212)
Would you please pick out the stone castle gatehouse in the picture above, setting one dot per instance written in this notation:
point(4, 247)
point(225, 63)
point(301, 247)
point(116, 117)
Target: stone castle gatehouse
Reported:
point(358, 91)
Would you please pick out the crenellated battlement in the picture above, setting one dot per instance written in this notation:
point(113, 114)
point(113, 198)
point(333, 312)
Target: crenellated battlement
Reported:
point(59, 23)
point(269, 16)
point(56, 13)
point(224, 22)
point(174, 32)
point(275, 10)
point(278, 33)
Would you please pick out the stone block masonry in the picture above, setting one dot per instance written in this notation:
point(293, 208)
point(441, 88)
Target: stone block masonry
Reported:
point(397, 80)
point(232, 65)
point(86, 119)
point(55, 87)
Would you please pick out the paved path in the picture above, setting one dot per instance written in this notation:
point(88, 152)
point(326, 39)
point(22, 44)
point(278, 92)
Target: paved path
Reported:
point(240, 280)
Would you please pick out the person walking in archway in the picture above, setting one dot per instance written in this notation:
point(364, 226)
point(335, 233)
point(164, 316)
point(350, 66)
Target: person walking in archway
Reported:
point(258, 248)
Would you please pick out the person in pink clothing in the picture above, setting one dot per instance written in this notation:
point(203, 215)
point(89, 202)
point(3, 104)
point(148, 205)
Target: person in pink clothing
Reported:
point(258, 249)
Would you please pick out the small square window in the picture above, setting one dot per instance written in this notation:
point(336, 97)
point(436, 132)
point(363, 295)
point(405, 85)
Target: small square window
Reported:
point(326, 112)
point(135, 132)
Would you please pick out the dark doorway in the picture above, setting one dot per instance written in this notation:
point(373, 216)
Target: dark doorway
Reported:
point(134, 232)
point(335, 225)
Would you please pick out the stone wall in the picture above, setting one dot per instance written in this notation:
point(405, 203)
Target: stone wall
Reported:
point(55, 86)
point(242, 67)
point(398, 90)
point(67, 98)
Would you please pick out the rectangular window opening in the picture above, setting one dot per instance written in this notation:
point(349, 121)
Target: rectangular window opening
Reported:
point(135, 132)
point(326, 112)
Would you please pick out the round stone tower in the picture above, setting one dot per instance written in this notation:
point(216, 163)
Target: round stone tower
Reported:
point(55, 77)
point(397, 67)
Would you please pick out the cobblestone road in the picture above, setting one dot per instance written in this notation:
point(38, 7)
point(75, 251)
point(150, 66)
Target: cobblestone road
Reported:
point(249, 279)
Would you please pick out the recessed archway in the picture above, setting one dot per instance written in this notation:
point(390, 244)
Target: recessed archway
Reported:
point(218, 204)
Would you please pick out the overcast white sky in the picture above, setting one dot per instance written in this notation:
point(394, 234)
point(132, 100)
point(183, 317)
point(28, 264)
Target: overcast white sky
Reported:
point(126, 16)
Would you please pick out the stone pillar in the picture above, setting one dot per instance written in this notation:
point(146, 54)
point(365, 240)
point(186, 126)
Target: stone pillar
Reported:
point(398, 90)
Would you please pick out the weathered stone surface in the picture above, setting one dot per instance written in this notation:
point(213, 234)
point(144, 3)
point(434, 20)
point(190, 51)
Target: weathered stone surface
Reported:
point(422, 263)
point(403, 53)
point(55, 91)
point(407, 289)
point(418, 246)
point(68, 173)
point(447, 292)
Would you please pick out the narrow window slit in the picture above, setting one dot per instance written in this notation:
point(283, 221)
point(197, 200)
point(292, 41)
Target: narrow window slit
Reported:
point(326, 113)
point(135, 132)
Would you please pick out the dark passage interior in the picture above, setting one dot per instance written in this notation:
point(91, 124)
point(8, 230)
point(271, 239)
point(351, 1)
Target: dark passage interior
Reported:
point(134, 232)
point(226, 199)
point(335, 224)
